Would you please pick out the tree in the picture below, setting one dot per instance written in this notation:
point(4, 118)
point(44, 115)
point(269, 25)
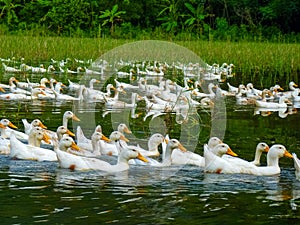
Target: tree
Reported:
point(111, 16)
point(196, 17)
point(170, 16)
point(8, 10)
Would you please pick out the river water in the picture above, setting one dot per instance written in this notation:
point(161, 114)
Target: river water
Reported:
point(42, 193)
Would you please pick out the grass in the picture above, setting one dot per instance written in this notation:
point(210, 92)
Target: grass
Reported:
point(264, 64)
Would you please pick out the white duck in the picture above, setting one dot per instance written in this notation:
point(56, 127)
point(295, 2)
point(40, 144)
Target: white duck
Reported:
point(74, 162)
point(96, 147)
point(61, 131)
point(19, 150)
point(168, 149)
point(111, 148)
point(154, 141)
point(90, 145)
point(214, 163)
point(67, 116)
point(36, 135)
point(273, 105)
point(18, 96)
point(34, 123)
point(112, 104)
point(5, 132)
point(81, 138)
point(260, 148)
point(297, 166)
point(274, 154)
point(191, 158)
point(9, 69)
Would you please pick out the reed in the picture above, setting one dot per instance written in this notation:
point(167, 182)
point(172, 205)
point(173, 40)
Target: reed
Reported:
point(261, 63)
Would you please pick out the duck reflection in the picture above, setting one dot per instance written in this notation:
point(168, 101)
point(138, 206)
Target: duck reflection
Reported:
point(282, 112)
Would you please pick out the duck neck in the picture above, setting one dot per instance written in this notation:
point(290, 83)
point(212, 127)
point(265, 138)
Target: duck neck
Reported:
point(96, 147)
point(33, 141)
point(167, 155)
point(272, 160)
point(257, 156)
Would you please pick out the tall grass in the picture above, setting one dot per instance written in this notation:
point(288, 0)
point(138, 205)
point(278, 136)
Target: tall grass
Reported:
point(261, 63)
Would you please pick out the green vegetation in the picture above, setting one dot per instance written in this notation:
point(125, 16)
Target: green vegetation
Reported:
point(229, 20)
point(261, 63)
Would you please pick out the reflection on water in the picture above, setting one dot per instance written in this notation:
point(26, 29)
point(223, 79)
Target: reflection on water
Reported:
point(41, 192)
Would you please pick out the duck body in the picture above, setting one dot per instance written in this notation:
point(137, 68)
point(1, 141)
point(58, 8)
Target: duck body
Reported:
point(75, 162)
point(297, 166)
point(19, 150)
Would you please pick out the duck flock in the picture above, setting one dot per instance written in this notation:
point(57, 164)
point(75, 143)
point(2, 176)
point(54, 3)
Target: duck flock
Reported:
point(145, 82)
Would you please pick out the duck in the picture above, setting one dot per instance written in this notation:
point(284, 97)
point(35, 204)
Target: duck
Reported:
point(92, 145)
point(19, 150)
point(5, 132)
point(282, 103)
point(67, 116)
point(95, 150)
point(274, 154)
point(117, 104)
point(296, 165)
point(110, 148)
point(81, 138)
point(126, 86)
point(260, 148)
point(98, 96)
point(36, 135)
point(168, 149)
point(9, 69)
point(123, 129)
point(28, 84)
point(191, 158)
point(61, 131)
point(65, 97)
point(214, 163)
point(232, 88)
point(34, 123)
point(75, 162)
point(294, 90)
point(35, 92)
point(179, 157)
point(154, 141)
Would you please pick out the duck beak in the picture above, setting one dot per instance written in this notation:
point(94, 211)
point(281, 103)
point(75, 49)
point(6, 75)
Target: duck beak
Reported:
point(104, 138)
point(267, 149)
point(75, 147)
point(126, 130)
point(46, 138)
point(2, 126)
point(230, 152)
point(287, 154)
point(75, 118)
point(2, 90)
point(124, 138)
point(140, 157)
point(12, 125)
point(42, 125)
point(70, 133)
point(183, 149)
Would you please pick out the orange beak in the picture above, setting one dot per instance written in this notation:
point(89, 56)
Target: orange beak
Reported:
point(230, 152)
point(12, 125)
point(75, 147)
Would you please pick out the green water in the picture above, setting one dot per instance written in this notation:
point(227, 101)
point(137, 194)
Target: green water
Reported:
point(42, 193)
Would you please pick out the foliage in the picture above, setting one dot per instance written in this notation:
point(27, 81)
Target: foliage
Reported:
point(111, 16)
point(234, 20)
